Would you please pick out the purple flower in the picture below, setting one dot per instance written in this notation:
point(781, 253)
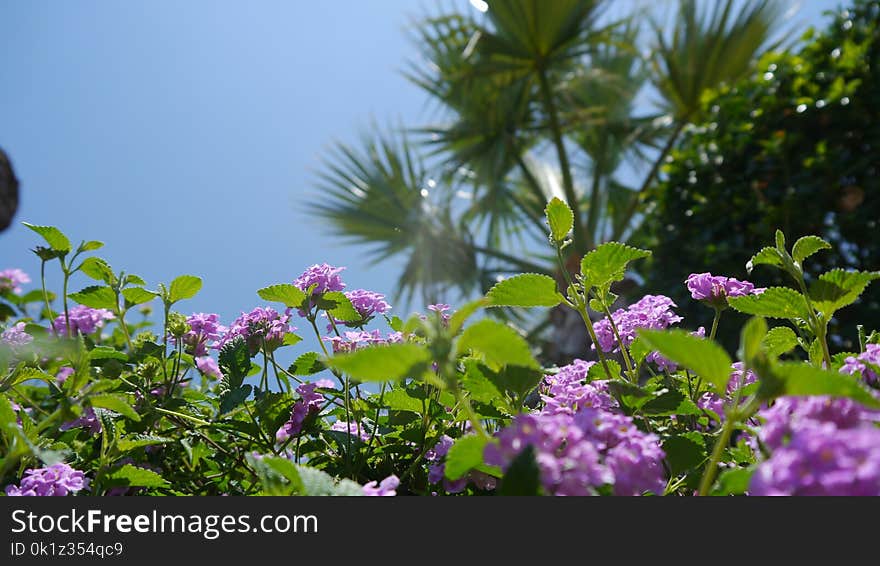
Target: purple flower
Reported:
point(351, 341)
point(63, 374)
point(308, 404)
point(88, 420)
point(366, 303)
point(568, 392)
point(716, 288)
point(578, 454)
point(867, 364)
point(651, 312)
point(83, 320)
point(711, 401)
point(353, 429)
point(819, 446)
point(15, 336)
point(386, 488)
point(204, 327)
point(258, 327)
point(12, 280)
point(440, 309)
point(208, 366)
point(325, 278)
point(55, 480)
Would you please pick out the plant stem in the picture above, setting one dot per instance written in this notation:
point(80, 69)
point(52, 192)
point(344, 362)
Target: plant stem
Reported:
point(623, 351)
point(45, 294)
point(715, 323)
point(66, 312)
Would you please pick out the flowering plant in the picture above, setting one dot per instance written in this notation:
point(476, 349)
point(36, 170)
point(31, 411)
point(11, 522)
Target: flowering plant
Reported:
point(449, 402)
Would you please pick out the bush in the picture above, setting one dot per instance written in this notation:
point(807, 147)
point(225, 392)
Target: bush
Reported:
point(794, 146)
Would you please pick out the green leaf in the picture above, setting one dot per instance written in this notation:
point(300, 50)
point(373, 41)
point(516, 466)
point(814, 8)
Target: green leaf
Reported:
point(132, 279)
point(775, 302)
point(91, 246)
point(234, 397)
point(458, 318)
point(807, 246)
point(141, 440)
point(751, 337)
point(523, 477)
point(107, 353)
point(475, 381)
point(804, 379)
point(317, 482)
point(608, 262)
point(234, 361)
point(307, 364)
point(7, 415)
point(284, 293)
point(291, 339)
point(560, 218)
point(597, 370)
point(287, 469)
point(526, 290)
point(98, 269)
point(53, 236)
point(767, 256)
point(132, 476)
point(399, 399)
point(116, 403)
point(386, 362)
point(338, 306)
point(638, 350)
point(498, 344)
point(733, 481)
point(838, 288)
point(684, 452)
point(138, 295)
point(780, 241)
point(705, 357)
point(670, 403)
point(184, 287)
point(464, 455)
point(778, 341)
point(96, 297)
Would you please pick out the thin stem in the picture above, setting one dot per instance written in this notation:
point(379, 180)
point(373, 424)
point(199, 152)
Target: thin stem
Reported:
point(183, 416)
point(49, 312)
point(66, 313)
point(715, 323)
point(623, 351)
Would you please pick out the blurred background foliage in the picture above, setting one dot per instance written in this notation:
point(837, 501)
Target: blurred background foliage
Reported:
point(796, 145)
point(538, 99)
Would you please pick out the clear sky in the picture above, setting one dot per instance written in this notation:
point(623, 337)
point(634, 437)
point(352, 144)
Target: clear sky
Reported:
point(187, 135)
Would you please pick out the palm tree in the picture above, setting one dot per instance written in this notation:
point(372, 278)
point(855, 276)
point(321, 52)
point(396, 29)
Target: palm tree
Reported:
point(536, 99)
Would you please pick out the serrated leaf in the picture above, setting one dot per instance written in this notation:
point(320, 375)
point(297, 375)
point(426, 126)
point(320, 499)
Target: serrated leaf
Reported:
point(234, 361)
point(98, 269)
point(807, 246)
point(778, 341)
point(685, 452)
point(24, 374)
point(464, 455)
point(287, 469)
point(96, 297)
point(53, 236)
point(400, 400)
point(775, 302)
point(107, 353)
point(284, 293)
point(316, 482)
point(780, 241)
point(705, 357)
point(526, 290)
point(478, 385)
point(498, 344)
point(560, 218)
point(307, 364)
point(92, 245)
point(733, 481)
point(133, 476)
point(138, 295)
point(638, 350)
point(608, 262)
point(234, 397)
point(386, 362)
point(804, 379)
point(115, 403)
point(670, 403)
point(184, 287)
point(338, 306)
point(291, 339)
point(132, 279)
point(597, 370)
point(839, 288)
point(458, 318)
point(767, 256)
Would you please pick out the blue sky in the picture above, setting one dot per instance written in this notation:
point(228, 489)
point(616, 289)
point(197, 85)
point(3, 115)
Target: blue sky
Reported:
point(187, 135)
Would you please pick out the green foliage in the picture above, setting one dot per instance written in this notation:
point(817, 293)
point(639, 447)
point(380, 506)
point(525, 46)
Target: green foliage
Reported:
point(526, 290)
point(184, 287)
point(607, 264)
point(284, 293)
point(388, 362)
point(464, 455)
point(560, 218)
point(498, 344)
point(704, 357)
point(53, 236)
